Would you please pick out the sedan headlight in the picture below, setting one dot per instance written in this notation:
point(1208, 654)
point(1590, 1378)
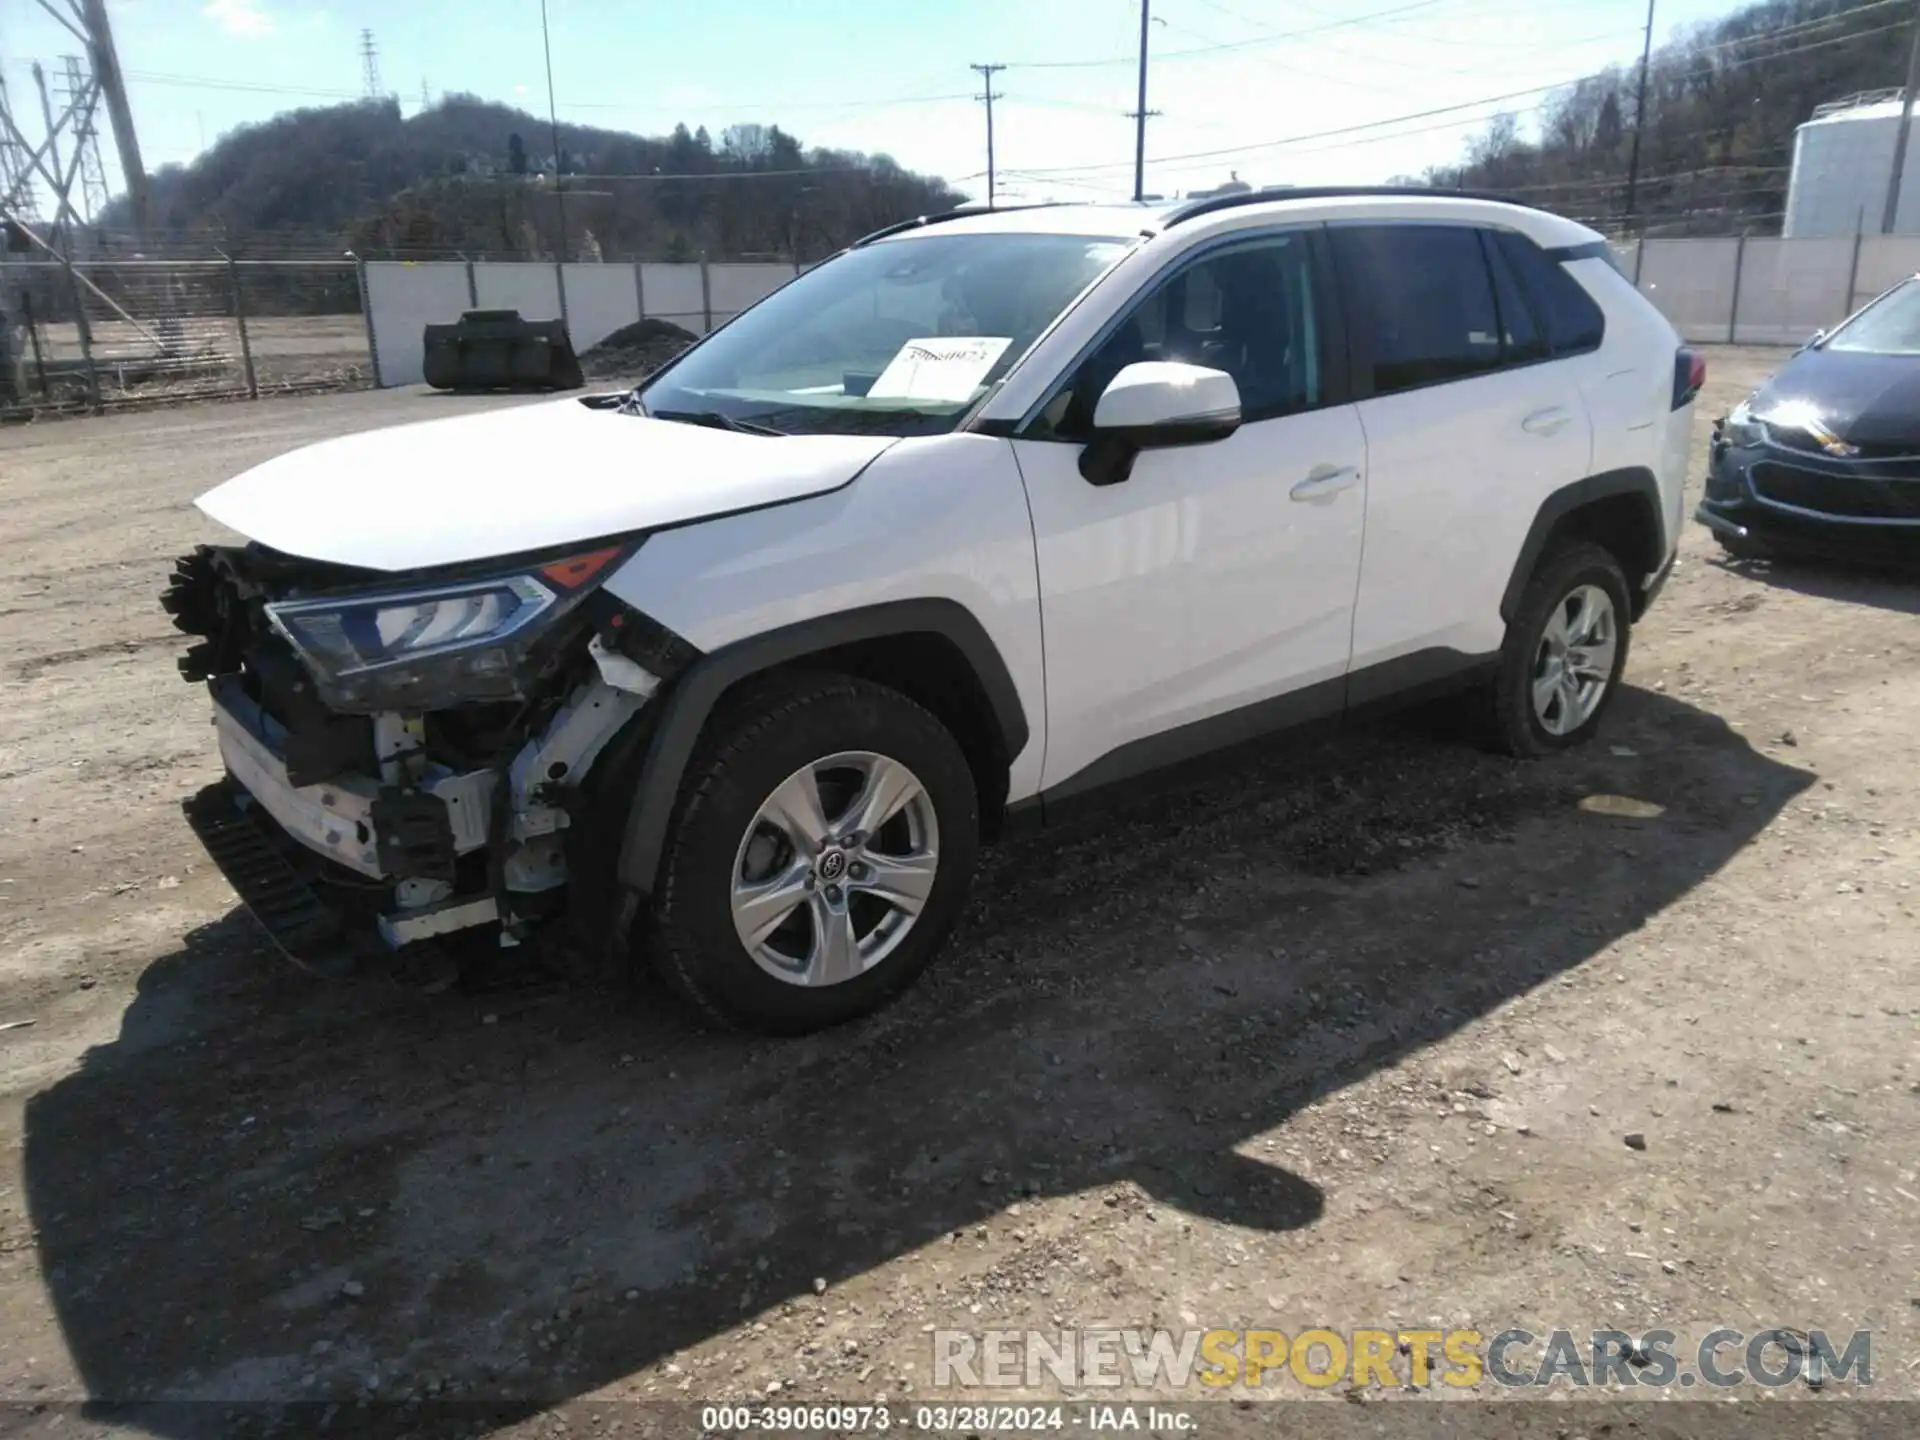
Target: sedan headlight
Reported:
point(424, 649)
point(1742, 429)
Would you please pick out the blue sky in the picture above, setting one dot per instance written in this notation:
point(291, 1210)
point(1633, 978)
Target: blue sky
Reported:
point(1243, 85)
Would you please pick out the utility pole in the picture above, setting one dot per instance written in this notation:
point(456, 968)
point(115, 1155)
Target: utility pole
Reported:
point(1906, 124)
point(553, 119)
point(1140, 115)
point(987, 72)
point(1639, 115)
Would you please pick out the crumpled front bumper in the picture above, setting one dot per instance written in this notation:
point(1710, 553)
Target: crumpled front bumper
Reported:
point(340, 821)
point(336, 819)
point(1738, 506)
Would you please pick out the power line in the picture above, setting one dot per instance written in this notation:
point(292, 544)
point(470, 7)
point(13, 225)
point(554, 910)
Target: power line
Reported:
point(1233, 45)
point(877, 102)
point(1550, 88)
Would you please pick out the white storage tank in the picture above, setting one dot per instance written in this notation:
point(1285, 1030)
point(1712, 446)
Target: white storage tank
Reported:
point(1842, 159)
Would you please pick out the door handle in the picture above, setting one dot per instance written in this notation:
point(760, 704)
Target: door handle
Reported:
point(1325, 480)
point(1550, 421)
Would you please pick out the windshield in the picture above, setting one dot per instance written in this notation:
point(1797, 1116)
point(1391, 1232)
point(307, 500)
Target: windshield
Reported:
point(896, 338)
point(1890, 326)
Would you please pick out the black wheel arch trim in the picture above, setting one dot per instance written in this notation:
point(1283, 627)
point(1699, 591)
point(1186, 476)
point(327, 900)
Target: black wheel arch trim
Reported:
point(1632, 480)
point(685, 708)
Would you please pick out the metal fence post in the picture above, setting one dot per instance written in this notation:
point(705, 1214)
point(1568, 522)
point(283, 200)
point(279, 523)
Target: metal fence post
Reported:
point(33, 338)
point(473, 286)
point(560, 284)
point(1639, 255)
point(240, 322)
point(640, 289)
point(86, 336)
point(366, 313)
point(1733, 310)
point(1853, 272)
point(706, 296)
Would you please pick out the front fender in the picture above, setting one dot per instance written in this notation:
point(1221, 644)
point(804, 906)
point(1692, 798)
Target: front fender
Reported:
point(685, 710)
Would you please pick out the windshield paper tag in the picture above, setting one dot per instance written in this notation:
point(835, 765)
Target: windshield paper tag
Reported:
point(941, 367)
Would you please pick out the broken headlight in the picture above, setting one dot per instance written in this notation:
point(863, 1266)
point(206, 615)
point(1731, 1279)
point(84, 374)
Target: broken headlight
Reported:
point(427, 648)
point(1742, 428)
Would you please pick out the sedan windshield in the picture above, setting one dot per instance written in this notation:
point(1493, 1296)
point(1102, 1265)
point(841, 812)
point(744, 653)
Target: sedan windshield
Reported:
point(900, 337)
point(1890, 326)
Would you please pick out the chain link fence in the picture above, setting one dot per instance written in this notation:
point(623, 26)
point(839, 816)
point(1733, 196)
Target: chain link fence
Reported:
point(113, 334)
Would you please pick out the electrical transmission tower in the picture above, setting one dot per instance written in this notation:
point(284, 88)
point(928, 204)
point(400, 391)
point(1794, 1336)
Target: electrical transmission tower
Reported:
point(39, 180)
point(91, 175)
point(17, 197)
point(370, 64)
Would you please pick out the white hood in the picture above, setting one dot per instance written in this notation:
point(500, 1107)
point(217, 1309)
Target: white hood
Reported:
point(473, 487)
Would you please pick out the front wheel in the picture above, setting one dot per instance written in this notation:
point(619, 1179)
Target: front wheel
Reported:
point(822, 849)
point(1565, 652)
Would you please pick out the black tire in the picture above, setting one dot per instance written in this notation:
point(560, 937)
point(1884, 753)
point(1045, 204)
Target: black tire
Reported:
point(1517, 729)
point(750, 748)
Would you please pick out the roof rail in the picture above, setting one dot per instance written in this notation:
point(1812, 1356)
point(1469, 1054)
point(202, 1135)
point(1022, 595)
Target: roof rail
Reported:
point(1856, 101)
point(1268, 194)
point(959, 212)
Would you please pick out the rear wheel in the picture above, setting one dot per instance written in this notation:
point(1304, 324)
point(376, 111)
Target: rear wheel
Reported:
point(821, 851)
point(1565, 652)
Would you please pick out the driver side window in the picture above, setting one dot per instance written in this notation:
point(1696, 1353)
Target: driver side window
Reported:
point(1248, 308)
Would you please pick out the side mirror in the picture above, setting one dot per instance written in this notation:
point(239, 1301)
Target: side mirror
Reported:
point(1153, 404)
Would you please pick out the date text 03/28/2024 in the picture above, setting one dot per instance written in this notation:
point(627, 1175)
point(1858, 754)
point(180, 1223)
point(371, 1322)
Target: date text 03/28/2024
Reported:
point(943, 1419)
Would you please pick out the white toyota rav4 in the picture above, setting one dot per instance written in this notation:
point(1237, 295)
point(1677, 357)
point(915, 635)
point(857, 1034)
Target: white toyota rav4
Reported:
point(992, 510)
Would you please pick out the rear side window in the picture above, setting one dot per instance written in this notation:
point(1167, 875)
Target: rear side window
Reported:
point(1520, 335)
point(1424, 297)
point(1573, 321)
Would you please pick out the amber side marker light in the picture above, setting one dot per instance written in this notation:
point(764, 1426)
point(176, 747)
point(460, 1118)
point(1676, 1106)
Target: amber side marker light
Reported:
point(576, 570)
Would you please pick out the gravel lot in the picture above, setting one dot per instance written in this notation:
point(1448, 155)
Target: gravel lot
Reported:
point(1351, 1036)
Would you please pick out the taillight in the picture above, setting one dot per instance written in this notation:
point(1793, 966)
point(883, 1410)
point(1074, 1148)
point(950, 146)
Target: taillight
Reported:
point(1689, 374)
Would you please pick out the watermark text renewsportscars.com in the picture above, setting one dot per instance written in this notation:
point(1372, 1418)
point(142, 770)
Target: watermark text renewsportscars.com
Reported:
point(1316, 1358)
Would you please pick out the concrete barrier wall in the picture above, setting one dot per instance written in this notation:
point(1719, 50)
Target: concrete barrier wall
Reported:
point(600, 299)
point(1884, 260)
point(1692, 281)
point(1758, 291)
point(735, 287)
point(402, 299)
point(674, 292)
point(533, 290)
point(1791, 288)
point(405, 296)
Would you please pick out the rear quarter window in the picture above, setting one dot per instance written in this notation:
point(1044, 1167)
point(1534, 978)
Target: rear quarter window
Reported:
point(1570, 316)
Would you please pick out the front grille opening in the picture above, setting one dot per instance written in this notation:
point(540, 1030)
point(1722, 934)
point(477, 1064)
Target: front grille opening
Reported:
point(1852, 497)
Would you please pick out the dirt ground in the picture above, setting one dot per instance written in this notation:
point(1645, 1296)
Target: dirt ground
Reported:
point(1351, 1036)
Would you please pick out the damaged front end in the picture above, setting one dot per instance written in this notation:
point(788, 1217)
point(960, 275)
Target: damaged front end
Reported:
point(405, 753)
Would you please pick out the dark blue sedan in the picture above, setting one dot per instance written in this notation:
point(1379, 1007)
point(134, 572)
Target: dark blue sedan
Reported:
point(1825, 457)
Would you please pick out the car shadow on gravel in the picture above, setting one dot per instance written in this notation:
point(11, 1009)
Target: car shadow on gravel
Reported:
point(273, 1190)
point(1882, 586)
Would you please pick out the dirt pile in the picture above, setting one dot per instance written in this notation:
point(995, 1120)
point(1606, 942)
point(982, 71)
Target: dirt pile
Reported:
point(637, 350)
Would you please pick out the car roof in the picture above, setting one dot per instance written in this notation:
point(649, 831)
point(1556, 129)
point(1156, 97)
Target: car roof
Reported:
point(1243, 210)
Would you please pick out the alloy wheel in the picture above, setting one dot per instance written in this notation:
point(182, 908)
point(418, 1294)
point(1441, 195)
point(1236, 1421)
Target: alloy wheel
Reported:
point(835, 868)
point(1574, 662)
